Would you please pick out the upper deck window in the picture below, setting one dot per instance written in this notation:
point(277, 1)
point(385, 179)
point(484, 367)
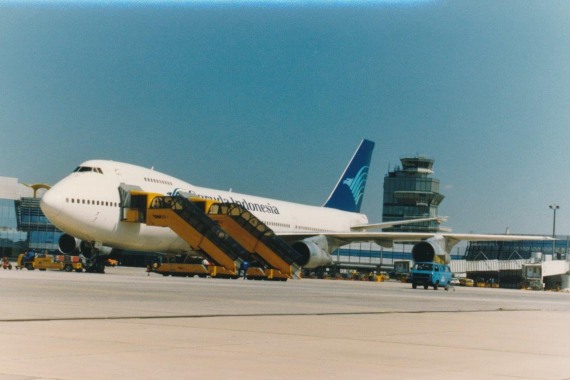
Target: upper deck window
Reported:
point(154, 180)
point(87, 169)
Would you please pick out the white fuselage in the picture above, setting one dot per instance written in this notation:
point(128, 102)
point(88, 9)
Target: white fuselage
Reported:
point(85, 204)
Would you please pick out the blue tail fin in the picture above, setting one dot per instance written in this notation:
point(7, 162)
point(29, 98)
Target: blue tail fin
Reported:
point(349, 191)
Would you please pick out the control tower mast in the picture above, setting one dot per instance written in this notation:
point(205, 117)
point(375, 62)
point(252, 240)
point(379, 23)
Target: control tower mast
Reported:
point(411, 193)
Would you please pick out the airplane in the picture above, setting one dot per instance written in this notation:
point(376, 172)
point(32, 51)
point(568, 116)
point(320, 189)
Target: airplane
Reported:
point(88, 206)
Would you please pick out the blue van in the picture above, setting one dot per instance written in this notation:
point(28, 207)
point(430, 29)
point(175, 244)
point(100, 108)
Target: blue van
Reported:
point(430, 274)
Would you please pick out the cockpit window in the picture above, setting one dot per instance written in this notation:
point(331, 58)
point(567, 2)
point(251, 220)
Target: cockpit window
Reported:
point(81, 169)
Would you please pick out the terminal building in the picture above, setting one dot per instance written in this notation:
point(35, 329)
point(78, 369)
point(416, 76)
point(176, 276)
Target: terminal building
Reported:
point(22, 223)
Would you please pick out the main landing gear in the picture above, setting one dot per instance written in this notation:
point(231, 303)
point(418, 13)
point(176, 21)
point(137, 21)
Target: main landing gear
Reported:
point(95, 262)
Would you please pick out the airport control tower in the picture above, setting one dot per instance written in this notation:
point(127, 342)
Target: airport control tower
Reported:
point(410, 193)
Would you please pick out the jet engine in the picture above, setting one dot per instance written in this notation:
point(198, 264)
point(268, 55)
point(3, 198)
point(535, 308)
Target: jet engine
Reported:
point(69, 245)
point(432, 249)
point(314, 252)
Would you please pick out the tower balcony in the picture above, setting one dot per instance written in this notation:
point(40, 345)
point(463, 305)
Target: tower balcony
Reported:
point(418, 198)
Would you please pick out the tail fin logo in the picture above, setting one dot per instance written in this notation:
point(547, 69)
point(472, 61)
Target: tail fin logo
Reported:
point(349, 190)
point(357, 184)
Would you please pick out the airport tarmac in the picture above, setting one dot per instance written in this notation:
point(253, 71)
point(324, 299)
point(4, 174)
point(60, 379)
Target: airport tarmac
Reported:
point(127, 325)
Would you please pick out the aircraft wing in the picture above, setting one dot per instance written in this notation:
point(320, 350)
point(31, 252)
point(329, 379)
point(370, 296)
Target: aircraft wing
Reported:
point(357, 236)
point(387, 239)
point(378, 226)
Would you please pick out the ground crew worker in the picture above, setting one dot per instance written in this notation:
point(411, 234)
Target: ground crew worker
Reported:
point(244, 268)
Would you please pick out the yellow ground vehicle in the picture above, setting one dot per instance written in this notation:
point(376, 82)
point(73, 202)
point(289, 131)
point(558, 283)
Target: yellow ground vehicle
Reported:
point(111, 262)
point(466, 282)
point(24, 261)
point(59, 262)
point(181, 265)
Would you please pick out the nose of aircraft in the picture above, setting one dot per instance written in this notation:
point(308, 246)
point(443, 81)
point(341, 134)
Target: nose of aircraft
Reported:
point(51, 204)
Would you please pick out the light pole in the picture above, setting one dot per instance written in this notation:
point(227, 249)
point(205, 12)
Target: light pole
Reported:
point(554, 207)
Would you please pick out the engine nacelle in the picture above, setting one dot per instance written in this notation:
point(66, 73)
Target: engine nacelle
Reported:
point(432, 249)
point(71, 245)
point(314, 252)
point(68, 244)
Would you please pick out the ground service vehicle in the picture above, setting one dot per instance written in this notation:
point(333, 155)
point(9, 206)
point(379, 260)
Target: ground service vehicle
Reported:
point(111, 262)
point(6, 263)
point(430, 274)
point(466, 282)
point(59, 262)
point(180, 265)
point(401, 270)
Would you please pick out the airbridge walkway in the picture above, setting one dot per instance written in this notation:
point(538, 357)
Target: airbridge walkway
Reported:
point(533, 273)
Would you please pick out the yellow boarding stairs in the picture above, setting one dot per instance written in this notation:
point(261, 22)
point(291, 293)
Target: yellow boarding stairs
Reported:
point(226, 233)
point(277, 257)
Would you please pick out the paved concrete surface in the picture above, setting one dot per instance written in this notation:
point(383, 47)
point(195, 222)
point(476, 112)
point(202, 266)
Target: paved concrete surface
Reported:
point(128, 325)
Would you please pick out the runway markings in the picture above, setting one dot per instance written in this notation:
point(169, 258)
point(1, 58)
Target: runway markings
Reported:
point(316, 314)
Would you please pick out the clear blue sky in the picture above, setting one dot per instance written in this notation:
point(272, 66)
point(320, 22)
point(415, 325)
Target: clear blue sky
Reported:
point(273, 99)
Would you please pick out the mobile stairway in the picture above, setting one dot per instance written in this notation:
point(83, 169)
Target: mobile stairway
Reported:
point(271, 257)
point(190, 222)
